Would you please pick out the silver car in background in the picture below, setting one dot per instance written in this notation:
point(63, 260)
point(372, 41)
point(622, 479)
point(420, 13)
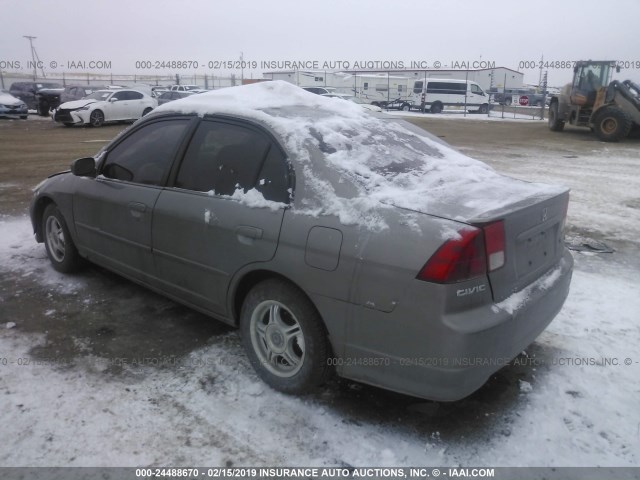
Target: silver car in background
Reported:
point(336, 240)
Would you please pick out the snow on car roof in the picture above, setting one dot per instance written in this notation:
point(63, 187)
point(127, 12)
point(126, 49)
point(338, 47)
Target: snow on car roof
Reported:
point(386, 162)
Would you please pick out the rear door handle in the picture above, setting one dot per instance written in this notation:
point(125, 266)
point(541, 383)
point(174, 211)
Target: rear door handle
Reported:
point(247, 234)
point(137, 209)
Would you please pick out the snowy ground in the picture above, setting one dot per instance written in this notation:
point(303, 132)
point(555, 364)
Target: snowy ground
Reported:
point(571, 401)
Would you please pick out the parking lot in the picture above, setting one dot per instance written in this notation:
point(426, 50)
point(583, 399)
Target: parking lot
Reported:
point(100, 371)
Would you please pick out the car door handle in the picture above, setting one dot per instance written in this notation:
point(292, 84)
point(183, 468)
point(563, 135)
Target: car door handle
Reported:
point(247, 234)
point(137, 209)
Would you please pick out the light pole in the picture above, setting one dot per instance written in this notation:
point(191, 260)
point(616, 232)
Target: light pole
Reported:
point(34, 57)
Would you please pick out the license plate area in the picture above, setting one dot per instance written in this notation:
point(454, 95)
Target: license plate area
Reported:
point(535, 249)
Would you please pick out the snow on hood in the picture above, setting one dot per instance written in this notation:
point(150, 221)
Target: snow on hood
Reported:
point(77, 103)
point(386, 162)
point(6, 99)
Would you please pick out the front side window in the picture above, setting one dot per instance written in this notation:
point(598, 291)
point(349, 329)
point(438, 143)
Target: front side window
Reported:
point(145, 155)
point(223, 158)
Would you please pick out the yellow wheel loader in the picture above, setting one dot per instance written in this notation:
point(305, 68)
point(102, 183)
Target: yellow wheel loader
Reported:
point(609, 108)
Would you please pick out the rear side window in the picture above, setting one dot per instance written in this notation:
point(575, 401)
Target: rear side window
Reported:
point(223, 158)
point(273, 180)
point(133, 95)
point(447, 88)
point(145, 155)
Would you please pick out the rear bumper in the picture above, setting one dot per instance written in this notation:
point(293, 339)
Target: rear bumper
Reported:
point(459, 358)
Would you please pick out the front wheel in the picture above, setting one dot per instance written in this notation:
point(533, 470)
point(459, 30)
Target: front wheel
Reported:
point(611, 124)
point(284, 337)
point(96, 119)
point(555, 123)
point(406, 107)
point(60, 248)
point(484, 108)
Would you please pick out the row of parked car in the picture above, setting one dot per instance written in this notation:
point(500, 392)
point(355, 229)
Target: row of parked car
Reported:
point(88, 105)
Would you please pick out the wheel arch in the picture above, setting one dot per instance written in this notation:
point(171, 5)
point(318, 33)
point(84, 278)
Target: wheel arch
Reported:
point(38, 211)
point(245, 281)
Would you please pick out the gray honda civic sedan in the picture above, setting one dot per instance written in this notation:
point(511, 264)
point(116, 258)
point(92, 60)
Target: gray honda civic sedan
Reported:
point(337, 240)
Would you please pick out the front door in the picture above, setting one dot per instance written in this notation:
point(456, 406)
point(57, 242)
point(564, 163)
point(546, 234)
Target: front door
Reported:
point(113, 213)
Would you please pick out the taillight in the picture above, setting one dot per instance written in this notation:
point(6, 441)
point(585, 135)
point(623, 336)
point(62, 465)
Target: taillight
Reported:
point(475, 252)
point(494, 241)
point(457, 259)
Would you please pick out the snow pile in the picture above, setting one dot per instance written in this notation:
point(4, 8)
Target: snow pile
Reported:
point(20, 254)
point(385, 161)
point(252, 198)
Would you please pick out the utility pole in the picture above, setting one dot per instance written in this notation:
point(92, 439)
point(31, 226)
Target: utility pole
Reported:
point(241, 68)
point(35, 60)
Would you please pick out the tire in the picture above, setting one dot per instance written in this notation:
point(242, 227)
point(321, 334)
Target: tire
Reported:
point(436, 107)
point(611, 124)
point(146, 111)
point(508, 101)
point(67, 124)
point(484, 108)
point(284, 337)
point(60, 248)
point(555, 124)
point(43, 109)
point(96, 119)
point(539, 103)
point(406, 107)
point(23, 117)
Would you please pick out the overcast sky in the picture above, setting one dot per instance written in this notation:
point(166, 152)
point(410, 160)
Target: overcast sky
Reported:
point(506, 32)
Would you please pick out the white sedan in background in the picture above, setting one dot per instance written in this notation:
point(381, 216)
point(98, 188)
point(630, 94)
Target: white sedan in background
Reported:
point(105, 106)
point(351, 98)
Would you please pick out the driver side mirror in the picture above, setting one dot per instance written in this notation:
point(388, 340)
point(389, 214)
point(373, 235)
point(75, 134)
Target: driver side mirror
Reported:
point(84, 167)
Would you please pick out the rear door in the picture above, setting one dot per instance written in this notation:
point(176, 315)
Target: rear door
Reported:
point(113, 212)
point(214, 219)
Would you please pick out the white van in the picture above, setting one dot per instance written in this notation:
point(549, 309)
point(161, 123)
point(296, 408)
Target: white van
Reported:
point(433, 94)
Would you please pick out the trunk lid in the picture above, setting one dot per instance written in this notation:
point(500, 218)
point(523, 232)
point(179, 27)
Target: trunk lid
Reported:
point(534, 241)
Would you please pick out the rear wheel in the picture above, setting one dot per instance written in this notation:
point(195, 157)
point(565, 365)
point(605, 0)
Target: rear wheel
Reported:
point(555, 124)
point(284, 337)
point(60, 248)
point(611, 124)
point(146, 111)
point(436, 107)
point(96, 119)
point(43, 109)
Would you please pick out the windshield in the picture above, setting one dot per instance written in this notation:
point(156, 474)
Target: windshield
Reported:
point(100, 95)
